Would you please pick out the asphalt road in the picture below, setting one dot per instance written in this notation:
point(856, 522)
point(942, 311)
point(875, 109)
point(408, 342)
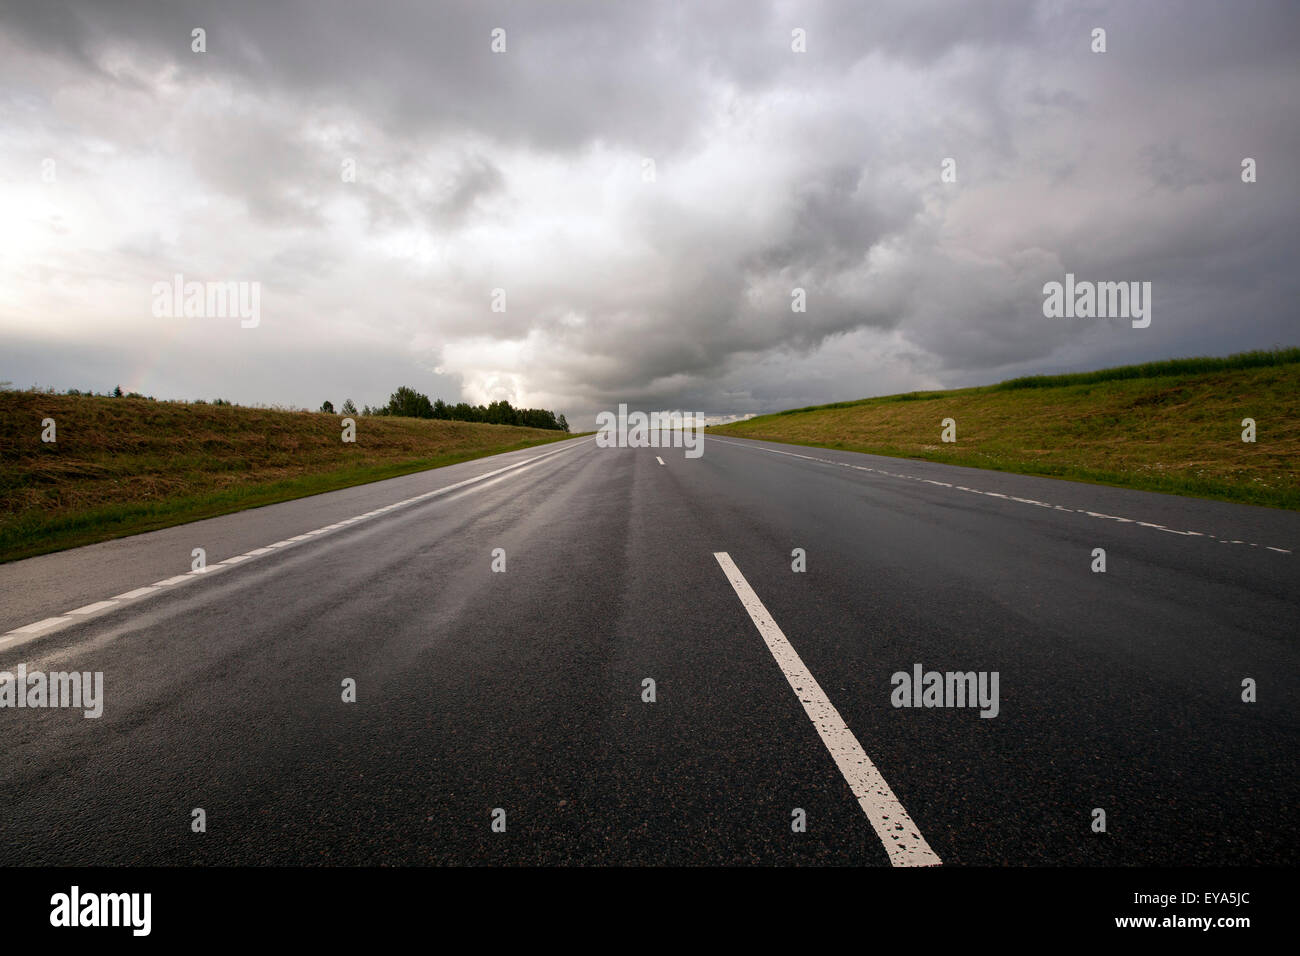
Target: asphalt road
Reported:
point(523, 690)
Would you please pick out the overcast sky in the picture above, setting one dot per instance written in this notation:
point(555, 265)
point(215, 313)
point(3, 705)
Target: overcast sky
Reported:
point(525, 171)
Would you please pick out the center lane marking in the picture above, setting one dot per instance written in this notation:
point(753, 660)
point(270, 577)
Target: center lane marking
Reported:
point(901, 837)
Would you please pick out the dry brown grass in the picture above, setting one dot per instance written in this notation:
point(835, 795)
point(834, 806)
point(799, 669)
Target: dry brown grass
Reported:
point(124, 465)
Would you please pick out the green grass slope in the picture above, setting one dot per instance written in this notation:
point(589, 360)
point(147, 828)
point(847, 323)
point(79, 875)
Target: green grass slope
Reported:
point(1172, 426)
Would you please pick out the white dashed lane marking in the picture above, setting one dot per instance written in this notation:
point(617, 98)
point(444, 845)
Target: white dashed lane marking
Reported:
point(900, 836)
point(994, 494)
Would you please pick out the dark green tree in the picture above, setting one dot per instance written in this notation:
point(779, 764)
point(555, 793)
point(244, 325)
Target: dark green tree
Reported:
point(499, 413)
point(409, 403)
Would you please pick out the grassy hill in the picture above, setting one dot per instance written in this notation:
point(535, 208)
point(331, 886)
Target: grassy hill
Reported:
point(1165, 426)
point(123, 465)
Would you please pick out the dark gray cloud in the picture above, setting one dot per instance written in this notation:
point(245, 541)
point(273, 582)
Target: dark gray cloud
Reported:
point(527, 171)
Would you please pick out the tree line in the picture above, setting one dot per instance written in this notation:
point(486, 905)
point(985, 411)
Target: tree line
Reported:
point(406, 402)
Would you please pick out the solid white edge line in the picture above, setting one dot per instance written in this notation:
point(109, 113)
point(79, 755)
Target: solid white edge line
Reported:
point(58, 622)
point(168, 582)
point(899, 834)
point(39, 626)
point(92, 608)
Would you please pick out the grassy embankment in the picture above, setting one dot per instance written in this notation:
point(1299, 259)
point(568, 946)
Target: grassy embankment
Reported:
point(1172, 427)
point(121, 466)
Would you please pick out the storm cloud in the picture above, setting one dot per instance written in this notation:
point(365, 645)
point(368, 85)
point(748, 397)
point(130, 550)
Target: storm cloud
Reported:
point(648, 184)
